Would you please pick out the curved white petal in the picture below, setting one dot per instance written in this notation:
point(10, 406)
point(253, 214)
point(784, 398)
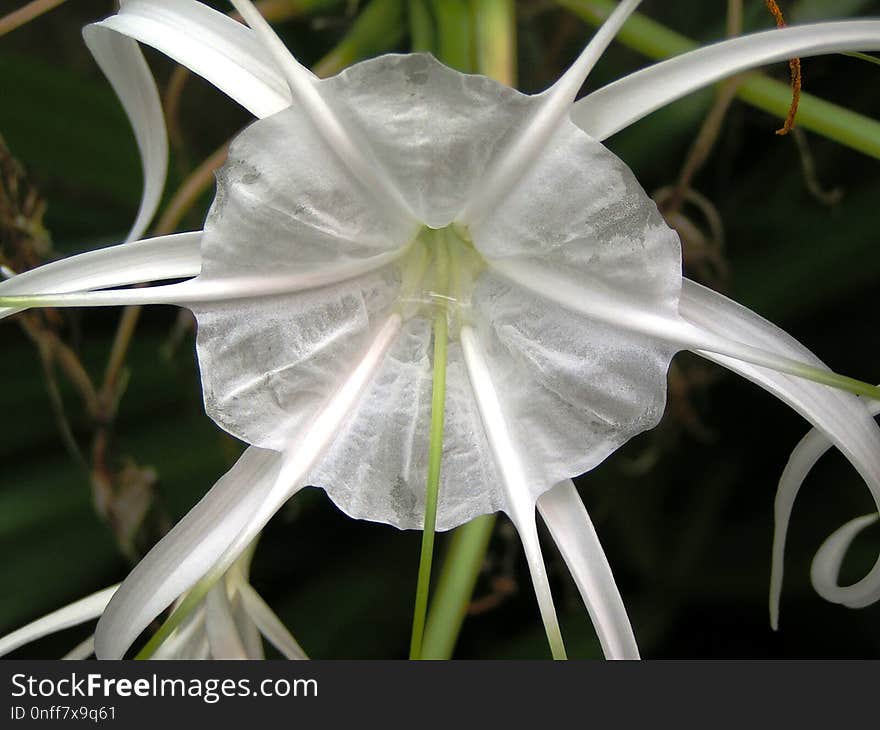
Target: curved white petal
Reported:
point(124, 66)
point(76, 613)
point(189, 635)
point(186, 553)
point(220, 627)
point(570, 525)
point(223, 51)
point(619, 104)
point(520, 502)
point(841, 417)
point(83, 650)
point(166, 257)
point(269, 624)
point(828, 559)
point(804, 456)
point(200, 290)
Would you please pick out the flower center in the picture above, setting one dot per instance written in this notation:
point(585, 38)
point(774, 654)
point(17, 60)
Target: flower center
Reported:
point(439, 270)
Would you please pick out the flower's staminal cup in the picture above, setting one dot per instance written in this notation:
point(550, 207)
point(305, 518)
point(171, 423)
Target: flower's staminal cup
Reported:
point(357, 208)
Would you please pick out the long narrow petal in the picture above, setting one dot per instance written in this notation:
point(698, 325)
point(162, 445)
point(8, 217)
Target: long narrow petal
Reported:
point(619, 104)
point(269, 624)
point(211, 537)
point(167, 257)
point(804, 456)
point(83, 650)
point(352, 151)
point(600, 303)
point(842, 418)
point(825, 570)
point(76, 613)
point(570, 525)
point(220, 626)
point(184, 637)
point(223, 51)
point(533, 137)
point(186, 553)
point(124, 66)
point(199, 290)
point(520, 502)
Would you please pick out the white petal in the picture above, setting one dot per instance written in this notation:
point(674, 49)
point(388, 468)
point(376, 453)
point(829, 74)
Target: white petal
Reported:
point(247, 629)
point(804, 456)
point(694, 330)
point(76, 613)
point(198, 291)
point(841, 417)
point(623, 102)
point(211, 537)
point(315, 100)
point(521, 151)
point(188, 552)
point(220, 626)
point(166, 257)
point(185, 638)
point(828, 559)
point(124, 66)
point(520, 500)
point(83, 650)
point(571, 528)
point(269, 624)
point(223, 51)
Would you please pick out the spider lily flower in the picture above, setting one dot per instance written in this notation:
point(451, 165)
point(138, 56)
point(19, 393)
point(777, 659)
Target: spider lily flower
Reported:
point(362, 216)
point(227, 623)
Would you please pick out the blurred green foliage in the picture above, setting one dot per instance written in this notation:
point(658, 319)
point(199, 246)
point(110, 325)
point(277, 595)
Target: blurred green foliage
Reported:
point(688, 532)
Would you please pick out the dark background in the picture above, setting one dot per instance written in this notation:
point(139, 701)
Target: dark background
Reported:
point(685, 511)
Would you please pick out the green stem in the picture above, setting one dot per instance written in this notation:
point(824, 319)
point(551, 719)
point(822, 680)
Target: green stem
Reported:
point(421, 26)
point(495, 31)
point(657, 42)
point(455, 46)
point(435, 455)
point(461, 567)
point(377, 29)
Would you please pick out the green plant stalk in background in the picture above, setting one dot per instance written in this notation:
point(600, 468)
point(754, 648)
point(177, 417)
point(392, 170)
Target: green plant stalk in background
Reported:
point(657, 42)
point(377, 29)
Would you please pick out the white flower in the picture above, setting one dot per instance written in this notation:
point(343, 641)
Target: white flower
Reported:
point(226, 624)
point(360, 214)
